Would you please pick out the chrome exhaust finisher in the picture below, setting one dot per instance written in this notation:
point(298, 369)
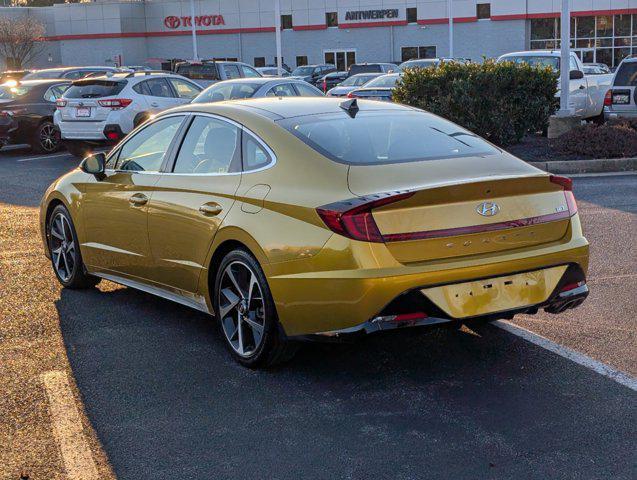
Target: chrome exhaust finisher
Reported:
point(388, 322)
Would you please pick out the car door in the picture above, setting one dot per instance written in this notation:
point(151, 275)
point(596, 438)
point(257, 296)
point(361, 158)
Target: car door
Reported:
point(191, 200)
point(281, 90)
point(114, 207)
point(160, 96)
point(578, 93)
point(184, 90)
point(249, 72)
point(231, 71)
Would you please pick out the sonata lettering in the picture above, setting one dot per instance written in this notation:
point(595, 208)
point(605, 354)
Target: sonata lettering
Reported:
point(173, 21)
point(372, 14)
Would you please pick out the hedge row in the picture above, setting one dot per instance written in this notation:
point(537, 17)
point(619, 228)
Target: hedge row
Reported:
point(498, 101)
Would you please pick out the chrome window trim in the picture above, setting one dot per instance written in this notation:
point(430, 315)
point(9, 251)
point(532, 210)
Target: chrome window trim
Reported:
point(242, 129)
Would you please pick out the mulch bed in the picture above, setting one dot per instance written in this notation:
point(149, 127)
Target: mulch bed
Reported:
point(536, 148)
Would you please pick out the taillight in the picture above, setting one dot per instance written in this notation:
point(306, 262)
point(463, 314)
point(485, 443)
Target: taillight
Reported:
point(567, 184)
point(115, 103)
point(608, 99)
point(353, 218)
point(351, 95)
point(324, 86)
point(60, 102)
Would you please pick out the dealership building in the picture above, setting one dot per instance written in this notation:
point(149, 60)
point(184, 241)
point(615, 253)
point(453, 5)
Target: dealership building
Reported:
point(341, 32)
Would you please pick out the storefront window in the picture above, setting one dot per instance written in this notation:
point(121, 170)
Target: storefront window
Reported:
point(604, 39)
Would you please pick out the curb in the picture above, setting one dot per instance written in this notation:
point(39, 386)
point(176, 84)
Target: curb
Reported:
point(603, 165)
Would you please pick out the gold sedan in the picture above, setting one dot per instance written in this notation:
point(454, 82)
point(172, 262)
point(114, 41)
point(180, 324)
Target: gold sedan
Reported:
point(305, 217)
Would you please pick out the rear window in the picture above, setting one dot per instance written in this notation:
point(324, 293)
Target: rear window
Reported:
point(357, 81)
point(381, 137)
point(386, 81)
point(626, 75)
point(354, 69)
point(227, 91)
point(535, 61)
point(205, 71)
point(11, 92)
point(95, 89)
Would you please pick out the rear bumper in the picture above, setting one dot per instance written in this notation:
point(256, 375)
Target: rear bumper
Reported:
point(320, 300)
point(82, 130)
point(609, 114)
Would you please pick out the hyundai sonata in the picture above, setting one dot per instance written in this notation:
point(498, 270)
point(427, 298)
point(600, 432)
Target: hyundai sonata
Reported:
point(308, 217)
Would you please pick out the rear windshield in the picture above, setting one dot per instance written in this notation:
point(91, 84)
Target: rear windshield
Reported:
point(205, 71)
point(357, 81)
point(8, 92)
point(354, 69)
point(53, 73)
point(95, 89)
point(227, 91)
point(626, 75)
point(535, 61)
point(386, 81)
point(420, 64)
point(381, 137)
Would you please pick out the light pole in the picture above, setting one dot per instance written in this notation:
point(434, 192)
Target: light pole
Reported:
point(277, 34)
point(195, 54)
point(565, 70)
point(450, 13)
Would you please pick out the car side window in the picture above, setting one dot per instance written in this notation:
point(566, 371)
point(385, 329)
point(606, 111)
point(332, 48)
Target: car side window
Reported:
point(573, 64)
point(254, 153)
point(55, 92)
point(158, 87)
point(145, 151)
point(307, 91)
point(232, 71)
point(282, 90)
point(210, 146)
point(185, 89)
point(249, 72)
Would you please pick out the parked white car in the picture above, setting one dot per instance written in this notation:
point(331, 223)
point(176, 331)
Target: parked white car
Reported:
point(105, 109)
point(586, 92)
point(621, 99)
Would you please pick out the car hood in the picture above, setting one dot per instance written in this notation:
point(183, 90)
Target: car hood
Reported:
point(341, 90)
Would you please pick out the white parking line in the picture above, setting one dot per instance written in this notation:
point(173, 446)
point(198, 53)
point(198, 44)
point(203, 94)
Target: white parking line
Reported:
point(45, 157)
point(67, 426)
point(579, 358)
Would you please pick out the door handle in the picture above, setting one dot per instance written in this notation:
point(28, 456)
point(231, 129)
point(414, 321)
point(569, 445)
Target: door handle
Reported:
point(211, 209)
point(138, 199)
point(582, 87)
point(154, 104)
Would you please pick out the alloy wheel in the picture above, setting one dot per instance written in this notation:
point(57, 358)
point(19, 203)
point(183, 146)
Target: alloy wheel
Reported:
point(48, 137)
point(62, 247)
point(241, 308)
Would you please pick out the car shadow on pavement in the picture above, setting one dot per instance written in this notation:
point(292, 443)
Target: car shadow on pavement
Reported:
point(167, 401)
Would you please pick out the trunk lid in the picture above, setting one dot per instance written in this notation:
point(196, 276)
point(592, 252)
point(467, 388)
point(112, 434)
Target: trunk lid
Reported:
point(83, 99)
point(464, 206)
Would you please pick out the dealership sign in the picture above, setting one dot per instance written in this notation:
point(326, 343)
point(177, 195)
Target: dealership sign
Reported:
point(371, 14)
point(174, 21)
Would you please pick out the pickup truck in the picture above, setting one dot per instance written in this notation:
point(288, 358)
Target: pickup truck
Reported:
point(587, 92)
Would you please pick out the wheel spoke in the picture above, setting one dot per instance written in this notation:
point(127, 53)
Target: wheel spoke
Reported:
point(241, 349)
point(70, 247)
point(257, 329)
point(55, 233)
point(57, 253)
point(233, 301)
point(66, 264)
point(253, 282)
point(232, 278)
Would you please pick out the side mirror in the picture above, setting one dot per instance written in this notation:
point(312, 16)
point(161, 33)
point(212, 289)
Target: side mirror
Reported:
point(576, 75)
point(94, 164)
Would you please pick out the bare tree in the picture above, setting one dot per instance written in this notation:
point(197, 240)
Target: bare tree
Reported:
point(20, 40)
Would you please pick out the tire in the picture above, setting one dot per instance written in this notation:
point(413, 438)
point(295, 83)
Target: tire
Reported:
point(46, 138)
point(77, 148)
point(139, 119)
point(248, 323)
point(67, 262)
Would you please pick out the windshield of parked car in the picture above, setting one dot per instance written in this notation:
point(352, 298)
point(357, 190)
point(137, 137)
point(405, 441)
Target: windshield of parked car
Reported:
point(227, 91)
point(94, 88)
point(626, 75)
point(50, 73)
point(535, 61)
point(386, 136)
point(419, 64)
point(357, 80)
point(386, 81)
point(303, 71)
point(10, 92)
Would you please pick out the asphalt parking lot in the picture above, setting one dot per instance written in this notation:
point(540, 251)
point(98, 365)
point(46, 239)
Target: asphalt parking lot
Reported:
point(166, 401)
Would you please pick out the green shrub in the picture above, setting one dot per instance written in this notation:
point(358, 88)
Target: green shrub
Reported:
point(614, 139)
point(498, 101)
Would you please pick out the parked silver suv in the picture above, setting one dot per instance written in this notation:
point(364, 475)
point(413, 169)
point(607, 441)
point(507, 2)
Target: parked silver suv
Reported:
point(621, 99)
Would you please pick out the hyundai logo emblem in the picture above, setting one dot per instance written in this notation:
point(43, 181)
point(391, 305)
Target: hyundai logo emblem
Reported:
point(488, 209)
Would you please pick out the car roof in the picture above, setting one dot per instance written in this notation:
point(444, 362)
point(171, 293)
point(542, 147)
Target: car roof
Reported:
point(287, 107)
point(536, 53)
point(42, 81)
point(261, 80)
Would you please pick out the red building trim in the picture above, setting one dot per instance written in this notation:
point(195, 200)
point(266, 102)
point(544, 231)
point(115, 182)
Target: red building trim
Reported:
point(581, 13)
point(437, 21)
point(396, 23)
point(309, 27)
